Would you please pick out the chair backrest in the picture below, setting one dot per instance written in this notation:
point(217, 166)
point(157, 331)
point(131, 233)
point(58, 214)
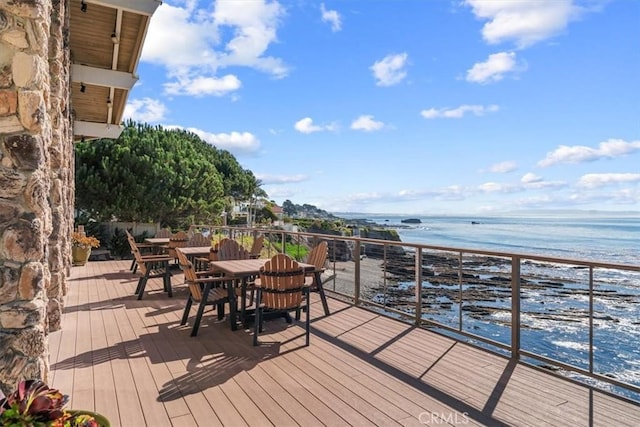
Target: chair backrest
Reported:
point(189, 275)
point(199, 240)
point(318, 255)
point(134, 246)
point(230, 249)
point(179, 236)
point(256, 248)
point(281, 281)
point(165, 232)
point(177, 240)
point(215, 248)
point(142, 266)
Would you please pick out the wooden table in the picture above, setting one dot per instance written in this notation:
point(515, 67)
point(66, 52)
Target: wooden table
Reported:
point(195, 251)
point(240, 270)
point(195, 254)
point(157, 240)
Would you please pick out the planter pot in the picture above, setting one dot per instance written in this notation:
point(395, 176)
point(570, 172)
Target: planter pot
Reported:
point(80, 255)
point(100, 419)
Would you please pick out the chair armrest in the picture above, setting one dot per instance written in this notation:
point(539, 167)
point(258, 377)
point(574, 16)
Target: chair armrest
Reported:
point(153, 258)
point(146, 245)
point(211, 280)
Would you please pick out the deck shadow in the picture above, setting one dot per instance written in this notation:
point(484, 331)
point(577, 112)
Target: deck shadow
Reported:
point(484, 417)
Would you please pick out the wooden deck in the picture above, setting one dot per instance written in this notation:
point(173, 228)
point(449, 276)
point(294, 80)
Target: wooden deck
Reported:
point(131, 361)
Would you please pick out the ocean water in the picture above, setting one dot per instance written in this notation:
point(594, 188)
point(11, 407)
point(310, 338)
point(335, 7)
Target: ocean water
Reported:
point(588, 237)
point(553, 319)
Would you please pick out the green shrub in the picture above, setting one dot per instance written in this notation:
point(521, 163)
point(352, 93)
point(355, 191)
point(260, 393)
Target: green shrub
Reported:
point(119, 245)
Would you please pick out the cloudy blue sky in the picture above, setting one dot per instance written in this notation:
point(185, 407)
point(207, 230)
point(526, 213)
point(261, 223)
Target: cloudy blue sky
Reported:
point(408, 106)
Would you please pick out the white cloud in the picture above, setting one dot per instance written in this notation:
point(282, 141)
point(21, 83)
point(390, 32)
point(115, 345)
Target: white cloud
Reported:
point(593, 180)
point(332, 17)
point(366, 123)
point(494, 68)
point(145, 110)
point(390, 70)
point(234, 142)
point(496, 187)
point(529, 178)
point(281, 179)
point(459, 112)
point(524, 21)
point(201, 86)
point(306, 126)
point(194, 44)
point(503, 167)
point(544, 185)
point(579, 153)
point(281, 192)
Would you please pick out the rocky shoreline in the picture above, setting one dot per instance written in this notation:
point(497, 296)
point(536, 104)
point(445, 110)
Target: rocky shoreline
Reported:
point(485, 288)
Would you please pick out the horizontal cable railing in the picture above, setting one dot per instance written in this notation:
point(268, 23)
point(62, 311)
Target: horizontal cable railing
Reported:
point(569, 315)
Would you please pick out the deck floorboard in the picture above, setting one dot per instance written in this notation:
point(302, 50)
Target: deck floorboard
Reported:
point(132, 361)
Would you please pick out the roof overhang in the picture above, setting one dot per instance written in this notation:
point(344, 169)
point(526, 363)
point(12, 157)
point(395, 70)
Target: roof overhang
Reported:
point(105, 38)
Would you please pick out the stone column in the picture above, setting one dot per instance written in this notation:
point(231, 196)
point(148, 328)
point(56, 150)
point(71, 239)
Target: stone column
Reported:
point(61, 171)
point(34, 126)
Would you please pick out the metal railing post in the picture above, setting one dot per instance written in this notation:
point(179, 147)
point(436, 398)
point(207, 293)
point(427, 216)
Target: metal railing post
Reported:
point(460, 296)
point(418, 289)
point(515, 308)
point(356, 278)
point(591, 319)
point(284, 243)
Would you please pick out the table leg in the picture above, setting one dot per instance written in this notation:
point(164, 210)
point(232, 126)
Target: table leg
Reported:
point(232, 305)
point(243, 301)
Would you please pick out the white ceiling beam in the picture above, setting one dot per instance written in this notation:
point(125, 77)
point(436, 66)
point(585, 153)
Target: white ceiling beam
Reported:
point(102, 77)
point(96, 130)
point(141, 7)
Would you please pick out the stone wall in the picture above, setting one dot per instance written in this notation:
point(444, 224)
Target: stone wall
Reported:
point(36, 182)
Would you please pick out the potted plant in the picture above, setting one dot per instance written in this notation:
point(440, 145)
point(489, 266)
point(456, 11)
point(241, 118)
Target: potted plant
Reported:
point(81, 245)
point(33, 403)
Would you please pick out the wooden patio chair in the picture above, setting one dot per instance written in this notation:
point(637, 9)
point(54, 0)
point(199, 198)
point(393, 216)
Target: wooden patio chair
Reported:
point(202, 263)
point(230, 249)
point(164, 232)
point(198, 239)
point(204, 290)
point(146, 250)
point(150, 267)
point(256, 247)
point(280, 288)
point(318, 258)
point(176, 240)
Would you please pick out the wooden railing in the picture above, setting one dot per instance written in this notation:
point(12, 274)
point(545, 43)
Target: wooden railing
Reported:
point(482, 296)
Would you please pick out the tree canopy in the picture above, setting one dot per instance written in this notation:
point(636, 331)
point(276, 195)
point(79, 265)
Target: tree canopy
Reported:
point(158, 175)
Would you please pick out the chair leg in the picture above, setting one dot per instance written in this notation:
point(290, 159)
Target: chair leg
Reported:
point(187, 309)
point(220, 308)
point(308, 325)
point(167, 280)
point(133, 265)
point(142, 283)
point(137, 291)
point(196, 323)
point(258, 319)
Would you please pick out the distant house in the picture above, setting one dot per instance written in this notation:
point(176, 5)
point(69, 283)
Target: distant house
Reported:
point(279, 213)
